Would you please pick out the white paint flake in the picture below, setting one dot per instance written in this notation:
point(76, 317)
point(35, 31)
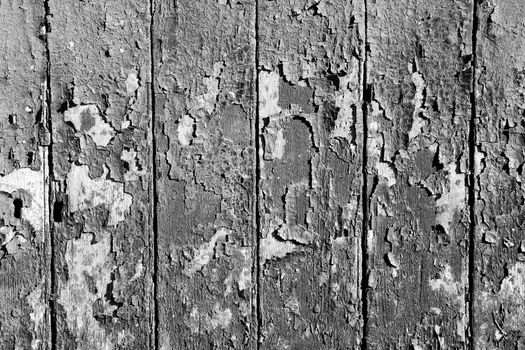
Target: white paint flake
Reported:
point(87, 119)
point(452, 200)
point(132, 84)
point(271, 248)
point(205, 253)
point(85, 193)
point(185, 130)
point(88, 267)
point(38, 309)
point(269, 94)
point(32, 182)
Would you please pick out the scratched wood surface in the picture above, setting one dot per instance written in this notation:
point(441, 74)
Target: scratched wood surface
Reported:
point(310, 71)
point(261, 174)
point(24, 234)
point(101, 174)
point(204, 64)
point(418, 126)
point(499, 283)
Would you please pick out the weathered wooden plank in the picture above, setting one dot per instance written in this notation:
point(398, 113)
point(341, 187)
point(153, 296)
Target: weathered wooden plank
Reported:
point(310, 110)
point(102, 173)
point(204, 97)
point(499, 308)
point(419, 81)
point(24, 262)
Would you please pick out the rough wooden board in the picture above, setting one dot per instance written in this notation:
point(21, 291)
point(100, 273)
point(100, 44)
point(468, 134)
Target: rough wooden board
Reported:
point(204, 97)
point(24, 269)
point(310, 110)
point(499, 309)
point(102, 173)
point(419, 76)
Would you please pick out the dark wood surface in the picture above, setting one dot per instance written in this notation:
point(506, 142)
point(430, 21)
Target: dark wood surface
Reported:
point(262, 174)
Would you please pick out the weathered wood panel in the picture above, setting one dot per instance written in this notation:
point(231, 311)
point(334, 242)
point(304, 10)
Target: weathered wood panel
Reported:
point(24, 262)
point(499, 309)
point(204, 98)
point(419, 81)
point(102, 173)
point(310, 117)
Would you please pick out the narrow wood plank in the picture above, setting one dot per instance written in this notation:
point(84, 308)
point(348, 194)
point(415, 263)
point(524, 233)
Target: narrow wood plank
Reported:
point(102, 173)
point(499, 288)
point(310, 110)
point(24, 262)
point(204, 97)
point(419, 76)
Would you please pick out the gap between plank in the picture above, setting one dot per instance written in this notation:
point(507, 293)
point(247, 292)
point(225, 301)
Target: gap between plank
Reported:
point(366, 93)
point(472, 179)
point(155, 276)
point(48, 124)
point(257, 216)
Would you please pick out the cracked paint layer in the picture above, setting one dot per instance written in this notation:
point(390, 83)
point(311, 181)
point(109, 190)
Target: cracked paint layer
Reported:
point(87, 120)
point(85, 192)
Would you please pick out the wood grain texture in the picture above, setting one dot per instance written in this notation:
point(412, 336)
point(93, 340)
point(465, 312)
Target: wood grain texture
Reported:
point(24, 262)
point(102, 173)
point(419, 76)
point(204, 97)
point(310, 110)
point(499, 308)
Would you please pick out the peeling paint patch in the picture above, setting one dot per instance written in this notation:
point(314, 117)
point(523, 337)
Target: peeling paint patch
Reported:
point(274, 141)
point(384, 170)
point(132, 84)
point(296, 233)
point(85, 193)
point(33, 183)
point(205, 253)
point(208, 100)
point(272, 248)
point(245, 277)
point(35, 300)
point(419, 100)
point(451, 200)
point(219, 318)
point(89, 271)
point(185, 130)
point(87, 119)
point(446, 283)
point(268, 94)
point(134, 172)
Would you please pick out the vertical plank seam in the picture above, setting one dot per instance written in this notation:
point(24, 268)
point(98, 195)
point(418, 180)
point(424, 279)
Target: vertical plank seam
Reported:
point(51, 227)
point(155, 277)
point(366, 94)
point(257, 216)
point(472, 178)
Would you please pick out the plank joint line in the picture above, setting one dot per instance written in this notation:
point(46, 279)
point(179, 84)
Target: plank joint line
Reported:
point(472, 179)
point(155, 277)
point(366, 93)
point(257, 217)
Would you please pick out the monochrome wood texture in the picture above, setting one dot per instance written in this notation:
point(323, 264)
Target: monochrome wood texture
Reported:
point(24, 258)
point(261, 174)
point(204, 64)
point(102, 173)
point(310, 122)
point(419, 83)
point(499, 287)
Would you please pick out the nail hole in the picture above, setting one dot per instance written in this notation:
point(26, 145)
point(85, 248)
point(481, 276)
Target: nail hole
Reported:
point(58, 208)
point(18, 208)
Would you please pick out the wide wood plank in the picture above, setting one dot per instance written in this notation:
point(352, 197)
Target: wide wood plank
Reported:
point(102, 173)
point(204, 98)
point(24, 259)
point(310, 108)
point(499, 308)
point(419, 81)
